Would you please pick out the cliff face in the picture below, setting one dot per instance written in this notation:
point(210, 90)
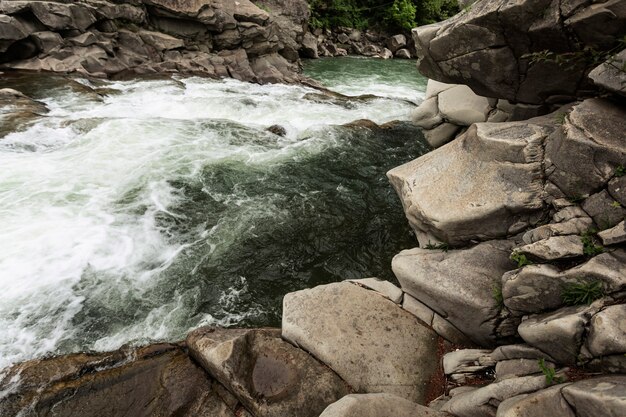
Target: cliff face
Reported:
point(105, 39)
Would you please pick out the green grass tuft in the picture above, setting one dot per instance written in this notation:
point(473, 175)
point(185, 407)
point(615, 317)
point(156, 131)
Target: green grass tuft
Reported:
point(582, 292)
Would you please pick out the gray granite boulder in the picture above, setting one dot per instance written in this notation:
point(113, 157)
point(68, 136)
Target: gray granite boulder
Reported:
point(548, 402)
point(610, 74)
point(607, 332)
point(371, 342)
point(459, 284)
point(493, 181)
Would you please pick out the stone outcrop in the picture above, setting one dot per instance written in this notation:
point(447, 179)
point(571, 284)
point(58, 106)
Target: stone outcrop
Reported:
point(268, 375)
point(157, 380)
point(112, 39)
point(17, 111)
point(370, 341)
point(526, 51)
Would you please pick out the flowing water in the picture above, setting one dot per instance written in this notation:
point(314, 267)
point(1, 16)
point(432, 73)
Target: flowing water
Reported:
point(159, 205)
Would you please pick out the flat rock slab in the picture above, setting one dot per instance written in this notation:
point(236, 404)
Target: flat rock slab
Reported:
point(458, 284)
point(614, 235)
point(378, 405)
point(268, 375)
point(486, 184)
point(553, 248)
point(604, 396)
point(371, 342)
point(158, 380)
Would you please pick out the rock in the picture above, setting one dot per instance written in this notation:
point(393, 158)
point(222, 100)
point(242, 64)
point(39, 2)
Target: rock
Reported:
point(426, 115)
point(47, 41)
point(607, 332)
point(433, 88)
point(559, 333)
point(386, 54)
point(268, 375)
point(441, 134)
point(604, 210)
point(568, 221)
point(432, 277)
point(459, 105)
point(548, 402)
point(418, 309)
point(60, 16)
point(155, 380)
point(582, 156)
point(84, 39)
point(370, 50)
point(603, 396)
point(495, 62)
point(609, 74)
point(160, 41)
point(403, 54)
point(553, 248)
point(518, 351)
point(343, 38)
point(483, 402)
point(514, 368)
point(536, 288)
point(617, 189)
point(371, 342)
point(11, 30)
point(492, 175)
point(467, 361)
point(277, 130)
point(384, 288)
point(396, 42)
point(614, 235)
point(449, 331)
point(18, 111)
point(309, 46)
point(378, 405)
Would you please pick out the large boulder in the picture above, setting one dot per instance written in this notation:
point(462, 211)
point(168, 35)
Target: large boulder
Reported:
point(268, 375)
point(582, 156)
point(159, 380)
point(610, 75)
point(370, 341)
point(603, 396)
point(496, 47)
point(459, 284)
point(486, 184)
point(378, 405)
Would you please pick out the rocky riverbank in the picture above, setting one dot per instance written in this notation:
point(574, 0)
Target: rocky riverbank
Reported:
point(519, 281)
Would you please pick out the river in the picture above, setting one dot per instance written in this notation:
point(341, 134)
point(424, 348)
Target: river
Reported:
point(159, 205)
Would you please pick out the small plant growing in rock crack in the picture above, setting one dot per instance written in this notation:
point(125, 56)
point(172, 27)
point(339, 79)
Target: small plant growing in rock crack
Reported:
point(620, 171)
point(589, 245)
point(439, 246)
point(496, 292)
point(520, 259)
point(582, 292)
point(560, 118)
point(549, 373)
point(616, 204)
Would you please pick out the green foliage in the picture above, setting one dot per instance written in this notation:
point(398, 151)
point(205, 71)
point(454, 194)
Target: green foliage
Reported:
point(560, 118)
point(391, 15)
point(496, 292)
point(549, 372)
point(589, 245)
point(620, 171)
point(440, 246)
point(520, 259)
point(582, 292)
point(401, 14)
